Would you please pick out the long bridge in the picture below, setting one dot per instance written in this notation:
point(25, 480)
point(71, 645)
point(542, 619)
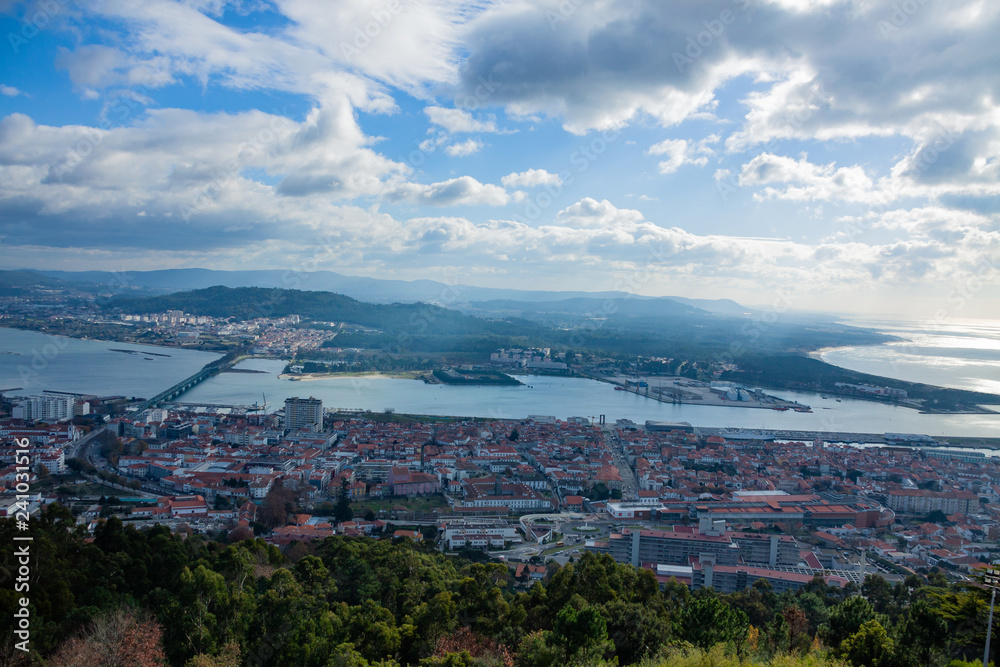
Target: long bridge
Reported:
point(207, 371)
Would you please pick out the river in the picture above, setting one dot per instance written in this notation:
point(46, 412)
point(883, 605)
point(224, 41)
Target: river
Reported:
point(36, 362)
point(92, 367)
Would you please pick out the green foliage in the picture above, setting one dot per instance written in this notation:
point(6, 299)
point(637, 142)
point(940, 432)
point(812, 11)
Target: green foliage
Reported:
point(579, 630)
point(359, 602)
point(342, 511)
point(846, 619)
point(708, 621)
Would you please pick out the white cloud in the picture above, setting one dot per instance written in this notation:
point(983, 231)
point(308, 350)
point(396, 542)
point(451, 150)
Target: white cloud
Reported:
point(457, 121)
point(680, 152)
point(461, 191)
point(806, 181)
point(9, 91)
point(589, 212)
point(530, 179)
point(464, 148)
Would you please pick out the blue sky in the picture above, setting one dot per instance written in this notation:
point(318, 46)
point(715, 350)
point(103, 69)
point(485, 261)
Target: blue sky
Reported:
point(828, 154)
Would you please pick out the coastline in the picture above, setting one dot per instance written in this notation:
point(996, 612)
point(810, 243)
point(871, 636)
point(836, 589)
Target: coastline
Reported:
point(818, 353)
point(114, 340)
point(308, 377)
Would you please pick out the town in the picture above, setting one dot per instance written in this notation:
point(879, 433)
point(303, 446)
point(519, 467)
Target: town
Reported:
point(713, 508)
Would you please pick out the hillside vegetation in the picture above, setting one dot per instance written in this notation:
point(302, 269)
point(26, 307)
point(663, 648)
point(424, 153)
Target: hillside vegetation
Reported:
point(131, 597)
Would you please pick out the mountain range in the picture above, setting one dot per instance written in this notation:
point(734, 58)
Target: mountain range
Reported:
point(375, 290)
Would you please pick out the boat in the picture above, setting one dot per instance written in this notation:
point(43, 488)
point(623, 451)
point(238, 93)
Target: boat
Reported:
point(258, 406)
point(780, 408)
point(619, 388)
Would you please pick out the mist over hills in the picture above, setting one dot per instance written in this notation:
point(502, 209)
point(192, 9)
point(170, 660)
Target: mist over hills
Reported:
point(374, 290)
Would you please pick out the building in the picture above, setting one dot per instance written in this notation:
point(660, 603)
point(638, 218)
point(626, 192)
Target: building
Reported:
point(655, 547)
point(666, 427)
point(480, 533)
point(731, 578)
point(919, 501)
point(174, 507)
point(48, 407)
point(405, 482)
point(303, 413)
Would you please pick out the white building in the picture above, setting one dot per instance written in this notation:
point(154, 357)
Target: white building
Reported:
point(50, 408)
point(303, 413)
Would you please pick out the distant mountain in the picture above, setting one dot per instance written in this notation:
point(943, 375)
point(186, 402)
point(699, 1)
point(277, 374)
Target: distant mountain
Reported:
point(589, 307)
point(366, 289)
point(23, 282)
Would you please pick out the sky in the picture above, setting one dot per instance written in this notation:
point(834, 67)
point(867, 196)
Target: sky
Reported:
point(789, 154)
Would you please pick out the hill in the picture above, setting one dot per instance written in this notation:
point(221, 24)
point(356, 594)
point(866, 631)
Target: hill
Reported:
point(147, 597)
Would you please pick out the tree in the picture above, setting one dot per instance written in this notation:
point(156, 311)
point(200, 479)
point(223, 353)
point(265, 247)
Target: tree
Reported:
point(870, 646)
point(535, 651)
point(229, 657)
point(278, 504)
point(924, 633)
point(708, 621)
point(121, 638)
point(342, 511)
point(466, 642)
point(578, 631)
point(798, 628)
point(514, 435)
point(636, 630)
point(878, 592)
point(846, 619)
point(936, 516)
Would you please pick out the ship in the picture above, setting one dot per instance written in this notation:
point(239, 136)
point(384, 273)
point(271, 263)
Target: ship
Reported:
point(256, 407)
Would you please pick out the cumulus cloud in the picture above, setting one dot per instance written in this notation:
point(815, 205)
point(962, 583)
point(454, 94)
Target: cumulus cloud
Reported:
point(903, 111)
point(461, 191)
point(680, 152)
point(457, 121)
point(467, 147)
point(805, 181)
point(589, 212)
point(530, 179)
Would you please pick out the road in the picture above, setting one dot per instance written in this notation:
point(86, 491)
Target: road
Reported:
point(630, 485)
point(82, 446)
point(84, 450)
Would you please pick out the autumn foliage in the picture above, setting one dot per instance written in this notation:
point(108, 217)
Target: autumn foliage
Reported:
point(122, 638)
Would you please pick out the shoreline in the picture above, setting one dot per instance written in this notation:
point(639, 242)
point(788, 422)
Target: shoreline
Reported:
point(117, 342)
point(308, 377)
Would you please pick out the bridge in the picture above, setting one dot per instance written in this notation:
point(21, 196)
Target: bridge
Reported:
point(207, 371)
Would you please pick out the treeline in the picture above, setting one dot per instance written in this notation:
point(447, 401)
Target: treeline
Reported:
point(131, 597)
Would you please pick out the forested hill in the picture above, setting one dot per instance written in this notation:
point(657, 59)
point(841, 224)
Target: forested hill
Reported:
point(246, 303)
point(144, 598)
point(616, 327)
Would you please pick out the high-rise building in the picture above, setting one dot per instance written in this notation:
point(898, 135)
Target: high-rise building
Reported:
point(45, 407)
point(303, 413)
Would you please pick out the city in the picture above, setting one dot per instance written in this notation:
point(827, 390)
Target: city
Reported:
point(499, 333)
